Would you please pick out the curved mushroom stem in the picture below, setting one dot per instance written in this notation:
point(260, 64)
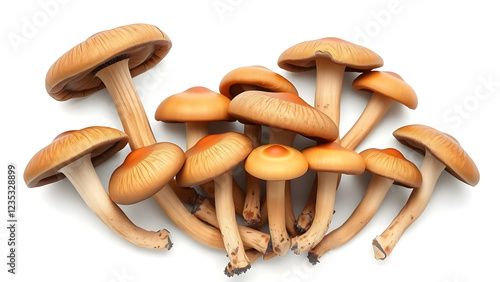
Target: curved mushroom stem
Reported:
point(82, 175)
point(373, 113)
point(227, 222)
point(275, 192)
point(327, 189)
point(251, 208)
point(329, 78)
point(253, 255)
point(431, 169)
point(364, 212)
point(306, 216)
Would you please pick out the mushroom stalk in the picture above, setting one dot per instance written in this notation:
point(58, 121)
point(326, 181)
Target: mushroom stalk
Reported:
point(251, 209)
point(133, 117)
point(329, 78)
point(306, 216)
point(327, 182)
point(275, 193)
point(364, 212)
point(194, 132)
point(227, 222)
point(431, 169)
point(82, 175)
point(377, 107)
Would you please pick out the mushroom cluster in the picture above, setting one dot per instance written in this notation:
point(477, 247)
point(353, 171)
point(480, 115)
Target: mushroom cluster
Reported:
point(202, 178)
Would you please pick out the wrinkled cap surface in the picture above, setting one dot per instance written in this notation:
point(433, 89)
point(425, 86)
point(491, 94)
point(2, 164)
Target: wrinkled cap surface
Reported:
point(331, 157)
point(389, 84)
point(442, 146)
point(390, 163)
point(276, 162)
point(100, 142)
point(254, 78)
point(302, 56)
point(144, 172)
point(73, 74)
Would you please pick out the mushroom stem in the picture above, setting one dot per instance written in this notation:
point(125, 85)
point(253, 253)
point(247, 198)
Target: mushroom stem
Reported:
point(329, 78)
point(194, 132)
point(251, 209)
point(252, 255)
point(364, 212)
point(373, 113)
point(227, 222)
point(275, 192)
point(135, 123)
point(82, 175)
point(306, 216)
point(431, 169)
point(327, 189)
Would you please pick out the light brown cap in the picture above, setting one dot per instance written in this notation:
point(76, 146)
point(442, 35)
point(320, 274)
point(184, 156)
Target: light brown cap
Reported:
point(442, 146)
point(73, 74)
point(389, 84)
point(254, 78)
point(212, 156)
point(276, 162)
point(390, 163)
point(302, 56)
point(284, 111)
point(100, 142)
point(194, 104)
point(331, 157)
point(144, 172)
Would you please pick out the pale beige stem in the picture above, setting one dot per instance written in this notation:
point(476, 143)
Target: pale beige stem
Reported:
point(275, 192)
point(364, 212)
point(252, 255)
point(306, 216)
point(431, 170)
point(329, 78)
point(373, 113)
point(227, 222)
point(325, 199)
point(194, 132)
point(82, 175)
point(251, 208)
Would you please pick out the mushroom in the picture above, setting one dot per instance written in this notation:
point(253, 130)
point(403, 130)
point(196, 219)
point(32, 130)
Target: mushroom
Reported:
point(386, 87)
point(329, 160)
point(73, 154)
point(213, 158)
point(389, 167)
point(276, 164)
point(442, 151)
point(234, 83)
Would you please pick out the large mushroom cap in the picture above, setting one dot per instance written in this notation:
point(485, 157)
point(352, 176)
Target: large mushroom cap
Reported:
point(442, 146)
point(194, 104)
point(254, 78)
point(284, 111)
point(73, 74)
point(100, 142)
point(144, 172)
point(331, 157)
point(212, 156)
point(302, 56)
point(390, 163)
point(276, 162)
point(388, 84)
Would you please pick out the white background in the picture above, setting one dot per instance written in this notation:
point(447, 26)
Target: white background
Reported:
point(447, 51)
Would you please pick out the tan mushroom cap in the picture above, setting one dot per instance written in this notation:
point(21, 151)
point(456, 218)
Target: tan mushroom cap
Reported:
point(302, 56)
point(442, 146)
point(276, 162)
point(144, 172)
point(195, 104)
point(331, 157)
point(254, 78)
point(73, 74)
point(284, 111)
point(388, 84)
point(390, 163)
point(212, 156)
point(100, 142)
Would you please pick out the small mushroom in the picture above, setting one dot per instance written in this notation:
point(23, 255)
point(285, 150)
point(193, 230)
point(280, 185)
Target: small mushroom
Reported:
point(74, 154)
point(213, 158)
point(234, 83)
point(276, 164)
point(442, 151)
point(386, 87)
point(329, 160)
point(389, 167)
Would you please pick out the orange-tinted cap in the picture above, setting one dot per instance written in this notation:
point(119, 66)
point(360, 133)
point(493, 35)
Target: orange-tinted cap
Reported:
point(331, 157)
